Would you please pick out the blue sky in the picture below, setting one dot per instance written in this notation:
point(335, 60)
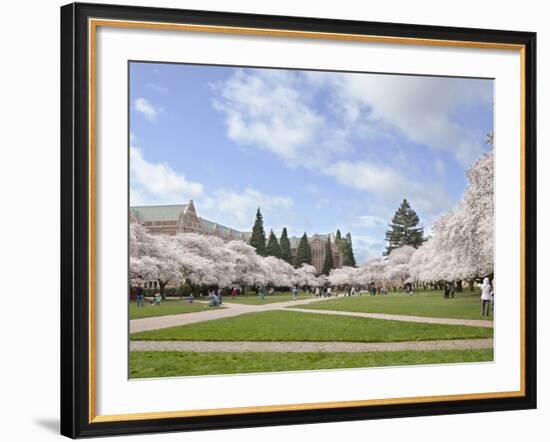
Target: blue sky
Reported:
point(317, 151)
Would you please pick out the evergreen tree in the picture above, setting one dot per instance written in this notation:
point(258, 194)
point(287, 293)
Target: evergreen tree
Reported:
point(338, 236)
point(403, 229)
point(273, 248)
point(347, 252)
point(257, 239)
point(303, 254)
point(286, 253)
point(329, 264)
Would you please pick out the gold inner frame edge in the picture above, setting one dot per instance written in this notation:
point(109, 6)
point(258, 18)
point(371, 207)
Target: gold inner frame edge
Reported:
point(93, 24)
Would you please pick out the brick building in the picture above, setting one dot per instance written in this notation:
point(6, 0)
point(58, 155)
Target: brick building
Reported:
point(180, 218)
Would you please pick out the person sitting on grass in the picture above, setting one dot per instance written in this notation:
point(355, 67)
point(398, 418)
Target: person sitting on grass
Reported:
point(214, 301)
point(156, 299)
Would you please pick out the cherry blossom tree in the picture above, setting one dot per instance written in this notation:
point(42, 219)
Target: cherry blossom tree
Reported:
point(279, 272)
point(343, 277)
point(306, 276)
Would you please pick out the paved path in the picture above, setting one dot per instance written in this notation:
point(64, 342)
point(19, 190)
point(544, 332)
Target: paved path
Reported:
point(255, 346)
point(407, 318)
point(231, 309)
point(234, 309)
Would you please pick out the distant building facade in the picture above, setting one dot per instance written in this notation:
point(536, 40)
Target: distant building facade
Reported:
point(183, 218)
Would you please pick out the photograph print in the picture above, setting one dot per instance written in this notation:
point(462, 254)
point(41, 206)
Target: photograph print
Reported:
point(290, 220)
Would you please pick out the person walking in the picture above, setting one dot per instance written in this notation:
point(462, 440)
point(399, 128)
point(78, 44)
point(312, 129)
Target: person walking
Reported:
point(485, 297)
point(294, 293)
point(191, 298)
point(139, 295)
point(446, 291)
point(317, 292)
point(220, 296)
point(233, 292)
point(261, 293)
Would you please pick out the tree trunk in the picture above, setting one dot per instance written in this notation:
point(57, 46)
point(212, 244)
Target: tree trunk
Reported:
point(471, 284)
point(162, 286)
point(459, 285)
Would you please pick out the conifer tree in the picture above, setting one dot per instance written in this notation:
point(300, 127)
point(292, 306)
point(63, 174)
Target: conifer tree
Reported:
point(286, 253)
point(257, 239)
point(329, 263)
point(303, 254)
point(347, 252)
point(273, 248)
point(403, 229)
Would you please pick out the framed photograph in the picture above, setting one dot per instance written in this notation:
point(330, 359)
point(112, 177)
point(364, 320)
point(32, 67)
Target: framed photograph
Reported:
point(273, 220)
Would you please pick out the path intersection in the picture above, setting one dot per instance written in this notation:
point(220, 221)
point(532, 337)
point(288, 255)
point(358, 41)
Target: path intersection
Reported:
point(235, 309)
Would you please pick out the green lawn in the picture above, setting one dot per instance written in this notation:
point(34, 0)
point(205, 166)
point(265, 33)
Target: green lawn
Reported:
point(167, 307)
point(160, 364)
point(465, 305)
point(280, 325)
point(254, 299)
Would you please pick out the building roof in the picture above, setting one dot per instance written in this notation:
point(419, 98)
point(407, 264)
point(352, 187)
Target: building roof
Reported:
point(212, 227)
point(169, 212)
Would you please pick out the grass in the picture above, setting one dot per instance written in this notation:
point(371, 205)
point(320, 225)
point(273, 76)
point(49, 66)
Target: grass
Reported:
point(280, 325)
point(465, 305)
point(254, 299)
point(167, 307)
point(160, 364)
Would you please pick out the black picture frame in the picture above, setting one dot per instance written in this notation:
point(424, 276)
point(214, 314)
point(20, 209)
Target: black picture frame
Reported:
point(75, 220)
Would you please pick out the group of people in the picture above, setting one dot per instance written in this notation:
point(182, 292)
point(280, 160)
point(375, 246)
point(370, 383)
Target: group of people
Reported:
point(140, 297)
point(323, 292)
point(449, 290)
point(215, 298)
point(377, 290)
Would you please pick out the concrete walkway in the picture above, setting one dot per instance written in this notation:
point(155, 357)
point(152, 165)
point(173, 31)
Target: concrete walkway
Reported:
point(231, 309)
point(235, 309)
point(407, 318)
point(348, 347)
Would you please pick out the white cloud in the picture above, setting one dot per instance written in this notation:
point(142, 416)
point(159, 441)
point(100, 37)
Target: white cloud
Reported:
point(389, 186)
point(314, 120)
point(238, 209)
point(421, 108)
point(146, 108)
point(271, 110)
point(157, 182)
point(366, 247)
